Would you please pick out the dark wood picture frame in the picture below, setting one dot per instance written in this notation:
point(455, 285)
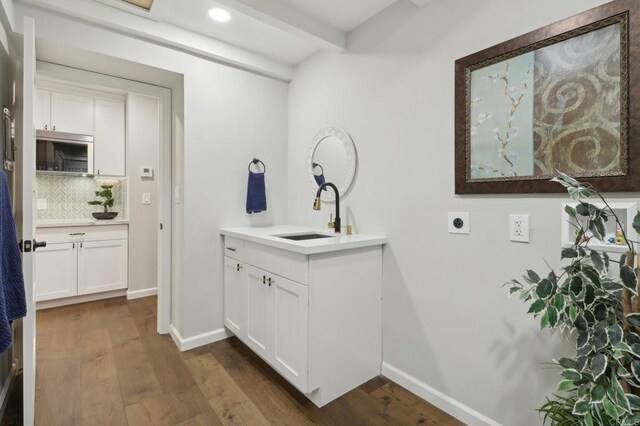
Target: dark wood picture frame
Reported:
point(628, 13)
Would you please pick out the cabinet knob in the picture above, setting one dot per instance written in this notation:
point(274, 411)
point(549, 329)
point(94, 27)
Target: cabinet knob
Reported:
point(46, 127)
point(228, 248)
point(73, 245)
point(270, 281)
point(54, 128)
point(264, 279)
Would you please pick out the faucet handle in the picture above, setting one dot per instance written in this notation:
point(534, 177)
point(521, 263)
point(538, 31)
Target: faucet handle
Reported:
point(331, 224)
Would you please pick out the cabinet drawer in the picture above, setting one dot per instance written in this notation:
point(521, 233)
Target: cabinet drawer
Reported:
point(234, 248)
point(280, 262)
point(72, 234)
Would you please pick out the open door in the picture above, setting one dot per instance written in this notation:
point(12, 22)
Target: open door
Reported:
point(25, 178)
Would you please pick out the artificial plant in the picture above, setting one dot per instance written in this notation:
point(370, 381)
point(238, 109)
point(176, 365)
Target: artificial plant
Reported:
point(598, 310)
point(106, 193)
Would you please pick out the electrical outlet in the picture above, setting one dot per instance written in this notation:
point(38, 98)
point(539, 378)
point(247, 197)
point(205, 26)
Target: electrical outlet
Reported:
point(41, 203)
point(459, 223)
point(519, 228)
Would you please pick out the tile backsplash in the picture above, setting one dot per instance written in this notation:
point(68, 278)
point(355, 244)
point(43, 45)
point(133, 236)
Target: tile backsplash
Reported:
point(67, 196)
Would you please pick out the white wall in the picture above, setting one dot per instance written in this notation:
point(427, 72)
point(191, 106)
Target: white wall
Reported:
point(230, 116)
point(143, 144)
point(447, 321)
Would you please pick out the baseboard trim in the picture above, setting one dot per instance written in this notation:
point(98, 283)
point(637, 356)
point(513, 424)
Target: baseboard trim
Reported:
point(185, 344)
point(6, 388)
point(137, 294)
point(55, 303)
point(444, 402)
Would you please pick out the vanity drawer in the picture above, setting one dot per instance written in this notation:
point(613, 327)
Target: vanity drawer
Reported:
point(287, 264)
point(82, 233)
point(234, 248)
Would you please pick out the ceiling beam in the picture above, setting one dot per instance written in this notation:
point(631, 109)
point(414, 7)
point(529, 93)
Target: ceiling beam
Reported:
point(281, 16)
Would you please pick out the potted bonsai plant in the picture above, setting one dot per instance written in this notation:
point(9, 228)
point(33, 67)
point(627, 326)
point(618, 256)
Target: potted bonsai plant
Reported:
point(596, 305)
point(107, 203)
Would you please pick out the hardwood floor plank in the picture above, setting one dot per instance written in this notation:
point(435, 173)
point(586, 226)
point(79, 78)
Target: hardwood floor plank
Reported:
point(102, 403)
point(152, 411)
point(98, 362)
point(59, 391)
point(228, 401)
point(410, 409)
point(209, 419)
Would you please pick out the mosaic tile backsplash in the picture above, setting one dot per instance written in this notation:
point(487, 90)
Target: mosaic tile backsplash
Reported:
point(67, 196)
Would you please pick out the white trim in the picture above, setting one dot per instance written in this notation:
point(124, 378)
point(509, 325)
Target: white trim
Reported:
point(444, 402)
point(74, 300)
point(137, 294)
point(198, 340)
point(4, 395)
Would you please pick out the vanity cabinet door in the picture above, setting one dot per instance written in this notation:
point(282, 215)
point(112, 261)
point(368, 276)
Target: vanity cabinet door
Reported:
point(258, 311)
point(56, 271)
point(234, 297)
point(290, 330)
point(102, 266)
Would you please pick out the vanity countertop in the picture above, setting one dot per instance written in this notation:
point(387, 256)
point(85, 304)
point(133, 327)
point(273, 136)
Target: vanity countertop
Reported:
point(269, 236)
point(58, 223)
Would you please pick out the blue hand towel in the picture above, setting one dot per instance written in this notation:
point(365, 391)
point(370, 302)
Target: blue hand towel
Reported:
point(256, 193)
point(13, 303)
point(320, 180)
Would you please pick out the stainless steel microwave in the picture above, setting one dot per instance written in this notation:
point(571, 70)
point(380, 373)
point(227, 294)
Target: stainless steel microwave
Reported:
point(64, 153)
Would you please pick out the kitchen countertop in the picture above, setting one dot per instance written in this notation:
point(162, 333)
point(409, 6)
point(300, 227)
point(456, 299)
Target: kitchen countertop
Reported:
point(269, 236)
point(56, 223)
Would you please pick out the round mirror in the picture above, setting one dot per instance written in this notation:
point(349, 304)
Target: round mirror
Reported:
point(332, 158)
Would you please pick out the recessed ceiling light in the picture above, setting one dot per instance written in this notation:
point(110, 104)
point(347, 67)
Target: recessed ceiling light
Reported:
point(145, 4)
point(219, 15)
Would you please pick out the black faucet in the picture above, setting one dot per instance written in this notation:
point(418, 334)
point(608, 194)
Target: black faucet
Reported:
point(317, 203)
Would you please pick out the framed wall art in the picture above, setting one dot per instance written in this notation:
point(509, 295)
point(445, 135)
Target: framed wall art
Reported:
point(563, 98)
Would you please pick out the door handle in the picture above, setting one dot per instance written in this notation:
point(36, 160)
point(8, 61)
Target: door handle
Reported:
point(29, 245)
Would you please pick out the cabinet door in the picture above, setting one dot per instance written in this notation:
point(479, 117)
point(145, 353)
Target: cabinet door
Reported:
point(43, 109)
point(109, 145)
point(234, 297)
point(258, 312)
point(72, 113)
point(56, 271)
point(102, 266)
point(290, 330)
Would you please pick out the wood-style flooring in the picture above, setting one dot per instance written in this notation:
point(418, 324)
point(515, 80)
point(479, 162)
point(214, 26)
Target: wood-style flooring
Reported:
point(102, 363)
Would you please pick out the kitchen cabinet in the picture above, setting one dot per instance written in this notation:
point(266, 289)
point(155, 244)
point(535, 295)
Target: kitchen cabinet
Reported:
point(43, 109)
point(313, 317)
point(80, 261)
point(109, 143)
point(72, 113)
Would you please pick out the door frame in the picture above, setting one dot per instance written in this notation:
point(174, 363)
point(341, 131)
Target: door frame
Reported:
point(56, 73)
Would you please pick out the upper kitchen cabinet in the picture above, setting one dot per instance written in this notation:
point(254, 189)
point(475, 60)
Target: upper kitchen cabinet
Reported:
point(72, 113)
point(43, 109)
point(109, 144)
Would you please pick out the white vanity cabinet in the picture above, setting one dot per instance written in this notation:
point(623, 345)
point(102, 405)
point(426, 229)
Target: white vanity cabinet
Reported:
point(313, 313)
point(81, 260)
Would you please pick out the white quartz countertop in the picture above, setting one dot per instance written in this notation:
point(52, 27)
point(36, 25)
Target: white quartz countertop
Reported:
point(269, 236)
point(56, 223)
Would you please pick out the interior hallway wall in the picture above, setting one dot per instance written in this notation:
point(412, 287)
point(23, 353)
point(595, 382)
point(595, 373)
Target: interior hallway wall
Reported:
point(447, 321)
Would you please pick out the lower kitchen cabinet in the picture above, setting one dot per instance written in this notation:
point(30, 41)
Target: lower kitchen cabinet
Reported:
point(81, 260)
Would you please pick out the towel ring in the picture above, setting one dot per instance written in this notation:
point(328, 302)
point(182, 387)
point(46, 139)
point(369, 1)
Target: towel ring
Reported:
point(256, 161)
point(318, 165)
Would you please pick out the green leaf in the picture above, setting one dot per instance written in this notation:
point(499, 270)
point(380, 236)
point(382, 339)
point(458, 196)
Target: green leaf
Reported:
point(588, 420)
point(634, 319)
point(597, 261)
point(514, 290)
point(544, 321)
point(634, 401)
point(609, 408)
point(533, 276)
point(581, 408)
point(568, 253)
point(544, 288)
point(565, 362)
point(583, 339)
point(553, 316)
point(536, 307)
point(619, 397)
point(596, 226)
point(583, 209)
point(565, 385)
point(599, 338)
point(571, 374)
point(635, 369)
point(570, 211)
point(614, 333)
point(573, 313)
point(558, 302)
point(628, 277)
point(605, 257)
point(636, 222)
point(598, 366)
point(598, 393)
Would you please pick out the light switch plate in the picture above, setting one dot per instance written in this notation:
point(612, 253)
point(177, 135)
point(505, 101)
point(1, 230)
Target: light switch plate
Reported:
point(519, 228)
point(146, 198)
point(42, 203)
point(459, 223)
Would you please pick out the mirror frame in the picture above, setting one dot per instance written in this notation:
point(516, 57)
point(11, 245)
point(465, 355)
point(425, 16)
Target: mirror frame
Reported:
point(352, 162)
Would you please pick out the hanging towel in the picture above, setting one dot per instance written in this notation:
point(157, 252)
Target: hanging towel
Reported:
point(256, 193)
point(320, 180)
point(13, 304)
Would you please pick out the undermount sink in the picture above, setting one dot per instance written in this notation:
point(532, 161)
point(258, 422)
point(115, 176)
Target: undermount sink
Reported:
point(302, 237)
